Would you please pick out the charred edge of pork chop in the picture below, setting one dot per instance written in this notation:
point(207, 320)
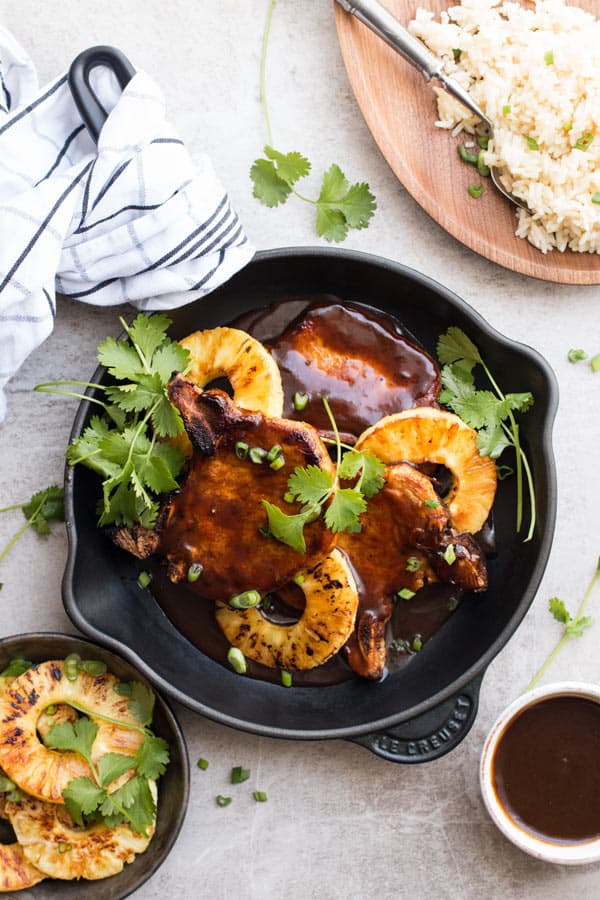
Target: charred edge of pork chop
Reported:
point(211, 419)
point(137, 540)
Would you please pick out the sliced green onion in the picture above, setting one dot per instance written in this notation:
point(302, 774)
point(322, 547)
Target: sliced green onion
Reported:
point(238, 775)
point(413, 564)
point(259, 796)
point(15, 796)
point(64, 847)
point(576, 355)
point(144, 579)
point(484, 141)
point(506, 110)
point(456, 53)
point(532, 143)
point(450, 554)
point(277, 464)
point(222, 801)
point(432, 504)
point(194, 572)
point(236, 660)
point(549, 57)
point(93, 667)
point(51, 710)
point(475, 191)
point(257, 455)
point(6, 784)
point(289, 497)
point(466, 155)
point(245, 600)
point(504, 472)
point(286, 678)
point(123, 689)
point(16, 667)
point(596, 197)
point(203, 764)
point(417, 643)
point(72, 666)
point(399, 645)
point(299, 580)
point(275, 451)
point(568, 126)
point(595, 363)
point(241, 450)
point(483, 170)
point(300, 401)
point(584, 143)
point(406, 594)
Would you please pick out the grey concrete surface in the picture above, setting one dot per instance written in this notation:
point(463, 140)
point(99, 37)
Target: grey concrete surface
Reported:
point(339, 823)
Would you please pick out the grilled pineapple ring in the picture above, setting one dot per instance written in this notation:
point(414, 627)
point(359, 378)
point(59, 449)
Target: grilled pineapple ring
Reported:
point(233, 354)
point(45, 773)
point(96, 851)
point(323, 629)
point(16, 872)
point(433, 435)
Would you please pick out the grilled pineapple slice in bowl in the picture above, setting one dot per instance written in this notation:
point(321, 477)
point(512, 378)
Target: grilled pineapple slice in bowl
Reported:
point(47, 832)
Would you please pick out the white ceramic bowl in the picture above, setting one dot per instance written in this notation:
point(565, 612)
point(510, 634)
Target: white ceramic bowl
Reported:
point(580, 853)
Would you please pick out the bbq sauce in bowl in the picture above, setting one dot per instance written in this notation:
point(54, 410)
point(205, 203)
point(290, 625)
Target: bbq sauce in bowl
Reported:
point(545, 770)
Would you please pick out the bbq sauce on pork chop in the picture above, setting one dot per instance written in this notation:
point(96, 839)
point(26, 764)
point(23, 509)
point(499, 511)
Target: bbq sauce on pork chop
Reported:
point(399, 526)
point(214, 520)
point(358, 359)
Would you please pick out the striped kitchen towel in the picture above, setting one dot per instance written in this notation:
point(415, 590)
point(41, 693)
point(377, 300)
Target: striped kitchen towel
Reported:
point(132, 220)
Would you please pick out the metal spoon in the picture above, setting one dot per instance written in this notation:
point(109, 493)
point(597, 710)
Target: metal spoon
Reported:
point(372, 14)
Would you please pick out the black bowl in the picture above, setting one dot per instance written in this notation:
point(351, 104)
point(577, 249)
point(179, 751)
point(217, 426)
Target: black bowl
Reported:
point(173, 786)
point(441, 682)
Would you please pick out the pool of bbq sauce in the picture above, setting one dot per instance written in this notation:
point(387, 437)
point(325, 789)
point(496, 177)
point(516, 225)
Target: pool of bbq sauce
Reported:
point(423, 615)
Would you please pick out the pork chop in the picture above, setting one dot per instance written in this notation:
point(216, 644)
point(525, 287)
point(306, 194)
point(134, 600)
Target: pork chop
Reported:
point(217, 520)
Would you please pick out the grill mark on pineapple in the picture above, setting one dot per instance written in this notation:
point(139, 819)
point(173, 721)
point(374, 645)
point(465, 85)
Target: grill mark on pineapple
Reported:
point(56, 673)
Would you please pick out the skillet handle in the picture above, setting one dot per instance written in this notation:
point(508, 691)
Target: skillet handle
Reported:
point(430, 735)
point(90, 109)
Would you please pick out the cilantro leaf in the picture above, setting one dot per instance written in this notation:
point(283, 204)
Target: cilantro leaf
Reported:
point(141, 702)
point(343, 511)
point(331, 224)
point(287, 529)
point(77, 736)
point(334, 185)
point(492, 441)
point(520, 402)
point(455, 345)
point(153, 757)
point(112, 765)
point(310, 484)
point(49, 504)
point(137, 396)
point(358, 205)
point(290, 167)
point(559, 610)
point(578, 626)
point(147, 333)
point(269, 188)
point(119, 357)
point(133, 802)
point(166, 420)
point(82, 797)
point(479, 409)
point(372, 471)
point(170, 357)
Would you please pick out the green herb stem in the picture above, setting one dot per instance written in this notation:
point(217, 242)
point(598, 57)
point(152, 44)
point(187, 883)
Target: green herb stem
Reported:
point(44, 389)
point(565, 637)
point(15, 506)
point(263, 66)
point(32, 518)
point(338, 442)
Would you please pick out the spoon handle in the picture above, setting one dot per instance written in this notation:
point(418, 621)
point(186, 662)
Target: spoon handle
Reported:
point(372, 14)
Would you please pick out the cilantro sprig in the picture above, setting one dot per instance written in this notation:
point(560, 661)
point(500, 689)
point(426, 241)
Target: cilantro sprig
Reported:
point(339, 206)
point(89, 797)
point(573, 626)
point(41, 509)
point(490, 412)
point(124, 445)
point(318, 490)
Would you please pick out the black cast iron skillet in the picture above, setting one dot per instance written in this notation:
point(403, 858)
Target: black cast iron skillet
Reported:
point(420, 712)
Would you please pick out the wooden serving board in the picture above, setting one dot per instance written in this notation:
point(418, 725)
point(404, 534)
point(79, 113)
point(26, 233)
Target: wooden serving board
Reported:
point(400, 109)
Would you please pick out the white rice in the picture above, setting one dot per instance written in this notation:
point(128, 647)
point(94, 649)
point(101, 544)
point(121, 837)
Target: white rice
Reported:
point(527, 93)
